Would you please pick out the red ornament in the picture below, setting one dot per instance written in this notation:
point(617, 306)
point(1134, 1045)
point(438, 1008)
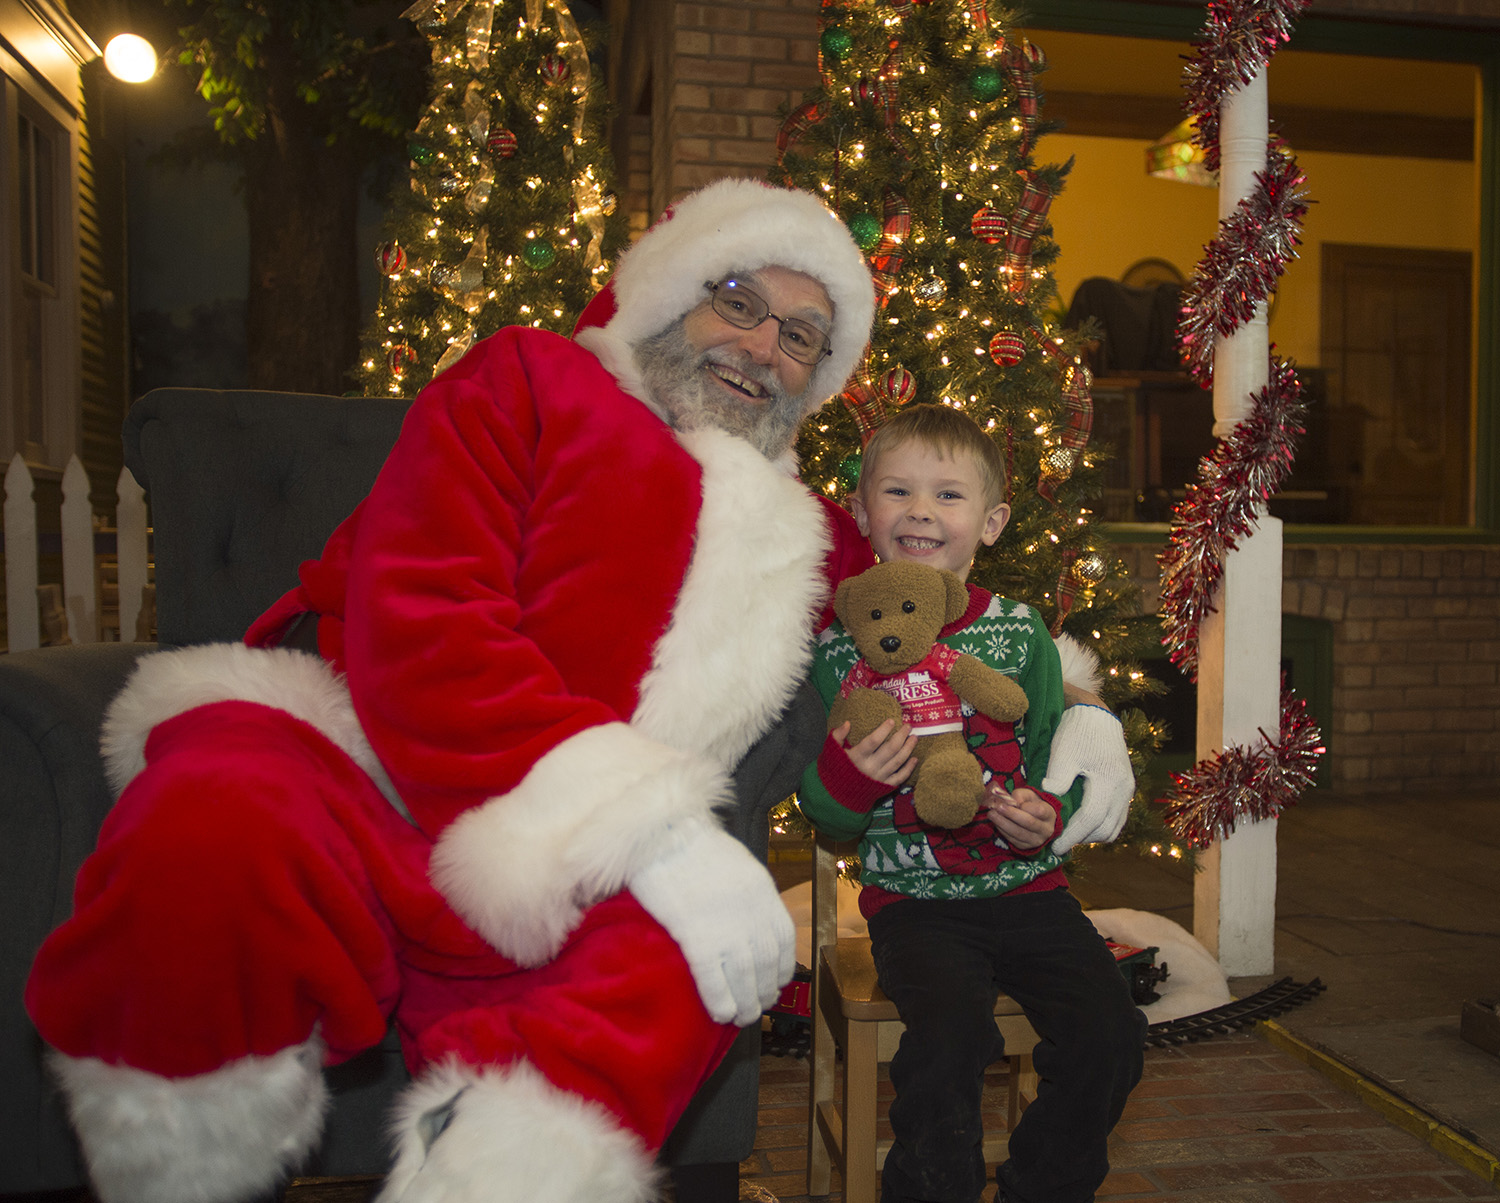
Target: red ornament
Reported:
point(989, 225)
point(390, 257)
point(502, 144)
point(1007, 348)
point(400, 358)
point(899, 385)
point(869, 90)
point(555, 69)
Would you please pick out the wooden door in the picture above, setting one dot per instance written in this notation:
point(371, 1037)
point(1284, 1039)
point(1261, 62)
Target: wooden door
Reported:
point(1395, 342)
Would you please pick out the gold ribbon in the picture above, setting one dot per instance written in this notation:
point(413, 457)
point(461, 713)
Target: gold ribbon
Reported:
point(588, 200)
point(477, 38)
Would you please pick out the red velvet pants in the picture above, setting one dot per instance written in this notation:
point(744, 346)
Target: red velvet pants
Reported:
point(252, 885)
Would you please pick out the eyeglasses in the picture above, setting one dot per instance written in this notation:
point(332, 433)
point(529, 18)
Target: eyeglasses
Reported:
point(741, 307)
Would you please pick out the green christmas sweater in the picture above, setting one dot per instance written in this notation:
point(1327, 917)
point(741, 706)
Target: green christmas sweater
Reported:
point(899, 854)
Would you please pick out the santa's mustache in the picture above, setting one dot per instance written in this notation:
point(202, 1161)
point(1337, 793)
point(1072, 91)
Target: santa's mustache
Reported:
point(743, 365)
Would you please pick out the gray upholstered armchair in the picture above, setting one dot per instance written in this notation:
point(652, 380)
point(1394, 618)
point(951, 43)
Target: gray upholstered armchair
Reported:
point(243, 487)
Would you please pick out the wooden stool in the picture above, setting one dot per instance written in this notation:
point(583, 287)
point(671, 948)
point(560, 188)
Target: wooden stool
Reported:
point(850, 1012)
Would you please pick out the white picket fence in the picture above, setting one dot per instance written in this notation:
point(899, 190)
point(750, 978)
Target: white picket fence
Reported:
point(79, 563)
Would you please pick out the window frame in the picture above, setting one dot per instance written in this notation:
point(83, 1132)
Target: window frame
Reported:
point(1386, 39)
point(24, 97)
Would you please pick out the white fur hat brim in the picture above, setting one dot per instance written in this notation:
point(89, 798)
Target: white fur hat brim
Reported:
point(744, 225)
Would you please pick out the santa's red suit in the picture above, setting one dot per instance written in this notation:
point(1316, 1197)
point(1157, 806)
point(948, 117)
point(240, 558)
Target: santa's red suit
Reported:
point(547, 636)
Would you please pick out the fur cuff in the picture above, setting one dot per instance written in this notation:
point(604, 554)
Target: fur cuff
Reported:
point(465, 1135)
point(1080, 665)
point(170, 683)
point(218, 1137)
point(521, 867)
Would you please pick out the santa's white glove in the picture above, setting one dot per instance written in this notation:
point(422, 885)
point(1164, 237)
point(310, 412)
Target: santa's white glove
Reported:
point(721, 906)
point(1090, 743)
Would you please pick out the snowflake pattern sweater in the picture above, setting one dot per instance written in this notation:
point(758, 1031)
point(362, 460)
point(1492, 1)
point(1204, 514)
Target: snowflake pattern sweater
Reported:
point(900, 856)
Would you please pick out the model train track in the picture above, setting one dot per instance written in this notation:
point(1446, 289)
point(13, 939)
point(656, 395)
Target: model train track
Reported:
point(1275, 999)
point(792, 1039)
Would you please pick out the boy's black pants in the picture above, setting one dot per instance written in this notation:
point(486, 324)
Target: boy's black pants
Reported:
point(943, 963)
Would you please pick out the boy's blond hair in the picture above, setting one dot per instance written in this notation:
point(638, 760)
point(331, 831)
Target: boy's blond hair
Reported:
point(946, 431)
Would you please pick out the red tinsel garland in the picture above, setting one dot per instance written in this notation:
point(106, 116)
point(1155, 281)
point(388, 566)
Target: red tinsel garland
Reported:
point(1243, 262)
point(1233, 480)
point(1237, 785)
point(1237, 41)
point(1239, 270)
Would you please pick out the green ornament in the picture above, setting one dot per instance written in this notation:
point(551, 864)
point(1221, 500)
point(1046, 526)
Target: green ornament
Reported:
point(836, 42)
point(849, 471)
point(421, 155)
point(866, 230)
point(985, 84)
point(539, 254)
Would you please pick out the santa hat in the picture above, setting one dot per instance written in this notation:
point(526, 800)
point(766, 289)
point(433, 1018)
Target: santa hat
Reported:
point(733, 225)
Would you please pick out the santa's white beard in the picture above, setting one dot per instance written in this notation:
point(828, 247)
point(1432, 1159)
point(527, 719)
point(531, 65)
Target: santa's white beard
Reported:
point(677, 375)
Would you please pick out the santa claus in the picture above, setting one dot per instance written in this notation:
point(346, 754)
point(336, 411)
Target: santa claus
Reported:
point(582, 587)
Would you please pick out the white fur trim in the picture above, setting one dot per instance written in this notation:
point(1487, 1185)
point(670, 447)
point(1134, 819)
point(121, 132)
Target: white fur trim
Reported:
point(741, 633)
point(170, 683)
point(218, 1137)
point(597, 807)
point(512, 1137)
point(744, 225)
point(1080, 665)
point(521, 867)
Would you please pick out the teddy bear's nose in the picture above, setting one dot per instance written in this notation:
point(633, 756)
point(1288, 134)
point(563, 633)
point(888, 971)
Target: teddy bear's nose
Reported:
point(890, 643)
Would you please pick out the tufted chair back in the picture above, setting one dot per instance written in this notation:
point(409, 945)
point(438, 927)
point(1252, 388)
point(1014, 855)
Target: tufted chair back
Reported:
point(244, 486)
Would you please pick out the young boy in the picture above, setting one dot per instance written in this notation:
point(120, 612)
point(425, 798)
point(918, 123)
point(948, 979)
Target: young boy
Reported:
point(958, 916)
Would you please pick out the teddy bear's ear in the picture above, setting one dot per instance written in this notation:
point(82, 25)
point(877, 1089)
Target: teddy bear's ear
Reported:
point(958, 596)
point(841, 599)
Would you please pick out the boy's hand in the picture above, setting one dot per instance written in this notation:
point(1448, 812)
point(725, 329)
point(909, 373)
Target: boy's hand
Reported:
point(1022, 818)
point(885, 755)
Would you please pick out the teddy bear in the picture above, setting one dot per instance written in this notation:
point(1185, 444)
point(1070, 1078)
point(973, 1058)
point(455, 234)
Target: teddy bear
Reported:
point(894, 613)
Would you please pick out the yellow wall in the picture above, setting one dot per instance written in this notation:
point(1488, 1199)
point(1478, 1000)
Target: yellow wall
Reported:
point(1112, 214)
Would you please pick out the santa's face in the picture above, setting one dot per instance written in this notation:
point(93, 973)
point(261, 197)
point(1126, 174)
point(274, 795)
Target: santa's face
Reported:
point(703, 370)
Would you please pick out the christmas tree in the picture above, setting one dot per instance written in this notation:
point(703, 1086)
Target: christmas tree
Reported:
point(508, 219)
point(921, 138)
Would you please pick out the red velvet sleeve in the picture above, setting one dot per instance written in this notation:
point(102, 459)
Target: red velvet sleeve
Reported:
point(511, 570)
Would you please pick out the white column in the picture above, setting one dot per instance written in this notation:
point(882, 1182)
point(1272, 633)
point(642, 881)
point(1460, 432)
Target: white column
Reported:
point(1239, 651)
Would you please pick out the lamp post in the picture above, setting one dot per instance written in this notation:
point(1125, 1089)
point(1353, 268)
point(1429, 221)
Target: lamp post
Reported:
point(130, 58)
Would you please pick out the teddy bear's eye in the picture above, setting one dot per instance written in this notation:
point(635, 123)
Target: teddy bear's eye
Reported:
point(875, 614)
point(908, 607)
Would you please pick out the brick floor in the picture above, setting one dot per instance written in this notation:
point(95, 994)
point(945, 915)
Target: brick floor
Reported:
point(1230, 1120)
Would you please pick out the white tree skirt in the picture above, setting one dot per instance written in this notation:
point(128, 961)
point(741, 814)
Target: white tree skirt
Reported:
point(1194, 980)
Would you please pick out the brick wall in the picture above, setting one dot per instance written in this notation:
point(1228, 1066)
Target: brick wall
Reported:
point(730, 69)
point(635, 173)
point(1416, 658)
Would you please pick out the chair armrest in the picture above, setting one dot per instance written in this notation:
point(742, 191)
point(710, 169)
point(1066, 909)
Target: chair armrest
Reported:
point(771, 769)
point(53, 797)
point(52, 702)
point(719, 1125)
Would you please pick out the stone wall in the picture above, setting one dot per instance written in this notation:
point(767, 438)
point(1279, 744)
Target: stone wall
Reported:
point(1416, 657)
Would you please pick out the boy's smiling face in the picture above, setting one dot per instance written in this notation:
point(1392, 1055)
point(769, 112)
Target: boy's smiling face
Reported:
point(921, 505)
